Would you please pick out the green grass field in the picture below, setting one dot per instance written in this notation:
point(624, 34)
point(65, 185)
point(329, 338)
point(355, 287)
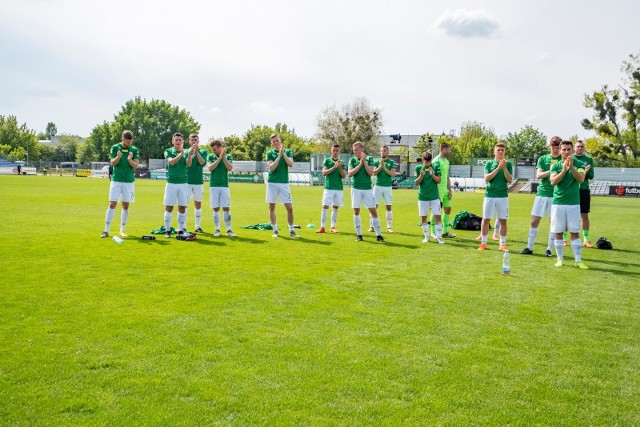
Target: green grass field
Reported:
point(316, 331)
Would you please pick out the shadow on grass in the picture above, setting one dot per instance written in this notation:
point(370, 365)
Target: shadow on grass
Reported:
point(617, 272)
point(246, 240)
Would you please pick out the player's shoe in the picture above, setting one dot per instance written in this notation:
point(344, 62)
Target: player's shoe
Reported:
point(167, 235)
point(440, 241)
point(425, 240)
point(333, 230)
point(526, 251)
point(275, 234)
point(380, 239)
point(389, 230)
point(496, 238)
point(548, 253)
point(104, 234)
point(216, 233)
point(503, 248)
point(482, 246)
point(479, 237)
point(588, 244)
point(123, 234)
point(293, 234)
point(371, 229)
point(198, 230)
point(320, 230)
point(450, 235)
point(231, 234)
point(558, 264)
point(581, 266)
point(359, 238)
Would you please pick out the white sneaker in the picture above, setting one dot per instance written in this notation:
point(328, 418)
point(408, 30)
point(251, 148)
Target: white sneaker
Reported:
point(440, 241)
point(275, 234)
point(425, 240)
point(231, 233)
point(217, 233)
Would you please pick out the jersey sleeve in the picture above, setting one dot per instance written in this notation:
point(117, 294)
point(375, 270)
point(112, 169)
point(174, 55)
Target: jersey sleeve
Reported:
point(167, 154)
point(510, 168)
point(229, 158)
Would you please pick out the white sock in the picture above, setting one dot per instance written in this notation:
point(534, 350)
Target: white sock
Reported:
point(389, 218)
point(503, 240)
point(334, 218)
point(323, 217)
point(227, 220)
point(290, 228)
point(576, 247)
point(496, 228)
point(559, 243)
point(124, 215)
point(551, 242)
point(198, 215)
point(167, 220)
point(216, 219)
point(376, 226)
point(109, 218)
point(533, 233)
point(439, 231)
point(425, 230)
point(182, 221)
point(275, 227)
point(358, 223)
point(370, 221)
point(484, 238)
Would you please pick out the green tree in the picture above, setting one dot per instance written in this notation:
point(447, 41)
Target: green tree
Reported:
point(67, 148)
point(22, 142)
point(356, 121)
point(152, 123)
point(476, 140)
point(527, 142)
point(86, 152)
point(51, 130)
point(234, 145)
point(257, 141)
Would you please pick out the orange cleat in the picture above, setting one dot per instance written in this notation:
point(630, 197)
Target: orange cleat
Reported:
point(482, 247)
point(588, 244)
point(333, 230)
point(503, 248)
point(320, 230)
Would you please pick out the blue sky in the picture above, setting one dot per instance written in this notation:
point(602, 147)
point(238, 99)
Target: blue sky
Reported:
point(430, 65)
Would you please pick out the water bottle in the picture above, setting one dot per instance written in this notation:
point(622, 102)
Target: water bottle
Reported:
point(506, 269)
point(117, 239)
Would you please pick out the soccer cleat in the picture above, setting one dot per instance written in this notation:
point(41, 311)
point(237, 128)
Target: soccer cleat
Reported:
point(216, 233)
point(275, 234)
point(548, 253)
point(425, 240)
point(167, 235)
point(503, 248)
point(389, 230)
point(450, 235)
point(333, 230)
point(565, 243)
point(526, 251)
point(558, 264)
point(496, 238)
point(123, 234)
point(293, 234)
point(371, 229)
point(581, 266)
point(479, 237)
point(198, 230)
point(104, 234)
point(440, 241)
point(482, 246)
point(231, 234)
point(380, 239)
point(588, 244)
point(359, 238)
point(320, 230)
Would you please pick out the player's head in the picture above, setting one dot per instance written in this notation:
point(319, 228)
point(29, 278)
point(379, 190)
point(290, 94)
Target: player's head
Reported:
point(445, 150)
point(127, 138)
point(554, 145)
point(426, 158)
point(177, 140)
point(335, 151)
point(384, 151)
point(216, 146)
point(194, 139)
point(276, 142)
point(579, 147)
point(358, 149)
point(566, 149)
point(499, 150)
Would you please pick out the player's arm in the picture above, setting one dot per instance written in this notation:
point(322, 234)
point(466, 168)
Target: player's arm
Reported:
point(577, 174)
point(174, 160)
point(450, 193)
point(589, 171)
point(212, 165)
point(343, 173)
point(199, 157)
point(376, 170)
point(436, 178)
point(190, 155)
point(489, 176)
point(288, 160)
point(390, 172)
point(133, 162)
point(420, 177)
point(507, 173)
point(354, 170)
point(556, 177)
point(273, 164)
point(115, 158)
point(227, 163)
point(540, 174)
point(367, 167)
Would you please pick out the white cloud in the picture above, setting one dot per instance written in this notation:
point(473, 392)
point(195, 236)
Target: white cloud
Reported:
point(214, 110)
point(467, 24)
point(260, 107)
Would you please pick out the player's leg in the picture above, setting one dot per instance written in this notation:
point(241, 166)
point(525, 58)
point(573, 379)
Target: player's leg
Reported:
point(488, 209)
point(437, 214)
point(503, 215)
point(272, 198)
point(423, 211)
point(197, 204)
point(558, 226)
point(225, 197)
point(183, 202)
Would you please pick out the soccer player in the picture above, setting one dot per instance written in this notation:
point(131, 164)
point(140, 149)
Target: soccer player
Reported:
point(279, 160)
point(360, 172)
point(428, 178)
point(497, 175)
point(566, 177)
point(334, 171)
point(585, 193)
point(544, 196)
point(195, 183)
point(384, 170)
point(444, 190)
point(219, 164)
point(124, 159)
point(175, 191)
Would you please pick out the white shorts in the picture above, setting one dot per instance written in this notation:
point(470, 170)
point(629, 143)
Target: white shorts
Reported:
point(424, 205)
point(195, 191)
point(491, 205)
point(332, 197)
point(541, 205)
point(362, 197)
point(220, 197)
point(176, 193)
point(380, 192)
point(277, 191)
point(565, 218)
point(121, 189)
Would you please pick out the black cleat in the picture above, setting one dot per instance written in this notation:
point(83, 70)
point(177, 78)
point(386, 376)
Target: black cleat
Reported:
point(104, 234)
point(198, 230)
point(548, 253)
point(380, 239)
point(526, 251)
point(359, 238)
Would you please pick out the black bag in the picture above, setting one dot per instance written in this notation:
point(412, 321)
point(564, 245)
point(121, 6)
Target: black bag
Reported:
point(466, 221)
point(604, 243)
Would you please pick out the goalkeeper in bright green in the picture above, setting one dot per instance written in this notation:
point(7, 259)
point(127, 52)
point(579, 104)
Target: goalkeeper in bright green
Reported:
point(441, 161)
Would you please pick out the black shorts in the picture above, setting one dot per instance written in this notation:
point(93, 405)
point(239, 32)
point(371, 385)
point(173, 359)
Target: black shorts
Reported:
point(585, 201)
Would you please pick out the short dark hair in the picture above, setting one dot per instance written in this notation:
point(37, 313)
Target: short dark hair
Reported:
point(566, 142)
point(445, 145)
point(500, 144)
point(275, 135)
point(127, 134)
point(555, 141)
point(193, 134)
point(427, 156)
point(216, 143)
point(177, 134)
point(335, 146)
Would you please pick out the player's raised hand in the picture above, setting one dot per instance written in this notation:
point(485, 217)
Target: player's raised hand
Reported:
point(130, 156)
point(118, 154)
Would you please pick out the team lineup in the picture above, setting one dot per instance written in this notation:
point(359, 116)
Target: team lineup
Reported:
point(562, 195)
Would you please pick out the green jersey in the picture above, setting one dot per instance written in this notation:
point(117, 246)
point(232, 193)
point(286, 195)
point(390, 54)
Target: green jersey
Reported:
point(545, 189)
point(176, 174)
point(443, 164)
point(498, 187)
point(428, 189)
point(586, 159)
point(194, 173)
point(567, 191)
point(281, 173)
point(220, 175)
point(123, 172)
point(333, 181)
point(383, 179)
point(361, 180)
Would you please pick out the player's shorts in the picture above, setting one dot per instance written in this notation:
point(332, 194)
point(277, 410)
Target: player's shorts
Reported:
point(424, 205)
point(542, 206)
point(195, 191)
point(278, 192)
point(491, 205)
point(380, 192)
point(220, 197)
point(121, 189)
point(365, 197)
point(176, 193)
point(565, 218)
point(444, 198)
point(585, 201)
point(332, 197)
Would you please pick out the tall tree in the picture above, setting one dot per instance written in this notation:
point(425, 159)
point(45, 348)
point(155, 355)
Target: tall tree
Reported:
point(355, 121)
point(527, 142)
point(21, 142)
point(51, 130)
point(152, 123)
point(257, 141)
point(476, 140)
point(86, 152)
